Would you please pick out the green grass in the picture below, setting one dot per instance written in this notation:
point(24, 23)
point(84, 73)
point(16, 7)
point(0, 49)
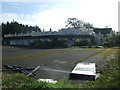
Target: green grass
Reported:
point(49, 85)
point(22, 81)
point(109, 75)
point(16, 80)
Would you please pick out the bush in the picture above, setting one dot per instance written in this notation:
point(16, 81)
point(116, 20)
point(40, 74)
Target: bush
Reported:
point(58, 43)
point(82, 43)
point(106, 44)
point(38, 43)
point(55, 43)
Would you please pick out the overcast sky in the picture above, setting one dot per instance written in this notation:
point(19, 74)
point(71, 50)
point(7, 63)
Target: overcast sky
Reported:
point(53, 13)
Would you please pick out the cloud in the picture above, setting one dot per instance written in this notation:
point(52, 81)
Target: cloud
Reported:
point(42, 6)
point(22, 18)
point(38, 0)
point(98, 12)
point(54, 18)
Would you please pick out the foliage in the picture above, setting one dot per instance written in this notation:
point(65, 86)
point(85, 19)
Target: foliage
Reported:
point(55, 43)
point(22, 81)
point(75, 23)
point(15, 80)
point(15, 27)
point(88, 25)
point(37, 85)
point(106, 44)
point(109, 77)
point(82, 43)
point(49, 85)
point(118, 40)
point(37, 43)
point(113, 41)
point(58, 43)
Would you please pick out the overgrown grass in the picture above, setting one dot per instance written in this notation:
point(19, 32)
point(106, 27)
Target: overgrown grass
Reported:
point(16, 80)
point(108, 53)
point(49, 85)
point(109, 75)
point(22, 81)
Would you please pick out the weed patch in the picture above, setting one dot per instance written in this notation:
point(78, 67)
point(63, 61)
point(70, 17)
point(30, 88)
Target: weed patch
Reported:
point(15, 80)
point(108, 53)
point(109, 75)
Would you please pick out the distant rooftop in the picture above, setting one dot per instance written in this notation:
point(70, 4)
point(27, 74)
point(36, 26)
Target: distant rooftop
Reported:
point(102, 30)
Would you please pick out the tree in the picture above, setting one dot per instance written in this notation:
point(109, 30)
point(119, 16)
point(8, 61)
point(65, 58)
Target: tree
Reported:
point(50, 30)
point(15, 27)
point(58, 43)
point(73, 23)
point(114, 40)
point(88, 25)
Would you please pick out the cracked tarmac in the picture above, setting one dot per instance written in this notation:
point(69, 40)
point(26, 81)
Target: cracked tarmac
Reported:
point(55, 63)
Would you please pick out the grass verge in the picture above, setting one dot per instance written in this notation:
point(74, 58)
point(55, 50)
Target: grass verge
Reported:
point(109, 75)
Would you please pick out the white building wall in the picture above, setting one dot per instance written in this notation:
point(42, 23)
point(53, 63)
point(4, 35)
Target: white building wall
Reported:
point(67, 31)
point(19, 42)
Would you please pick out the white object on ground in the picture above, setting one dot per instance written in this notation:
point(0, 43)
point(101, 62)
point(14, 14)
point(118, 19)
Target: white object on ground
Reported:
point(47, 80)
point(85, 68)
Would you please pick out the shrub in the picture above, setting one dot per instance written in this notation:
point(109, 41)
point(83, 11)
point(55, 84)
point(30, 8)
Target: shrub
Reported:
point(82, 43)
point(106, 44)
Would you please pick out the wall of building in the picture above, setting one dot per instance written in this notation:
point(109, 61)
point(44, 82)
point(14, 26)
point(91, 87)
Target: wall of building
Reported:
point(69, 35)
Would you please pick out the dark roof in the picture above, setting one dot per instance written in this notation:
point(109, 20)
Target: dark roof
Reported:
point(102, 30)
